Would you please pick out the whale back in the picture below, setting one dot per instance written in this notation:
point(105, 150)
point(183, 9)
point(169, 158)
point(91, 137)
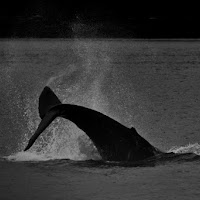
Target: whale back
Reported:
point(47, 100)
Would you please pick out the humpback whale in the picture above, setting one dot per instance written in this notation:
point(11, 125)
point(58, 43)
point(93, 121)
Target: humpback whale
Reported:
point(114, 141)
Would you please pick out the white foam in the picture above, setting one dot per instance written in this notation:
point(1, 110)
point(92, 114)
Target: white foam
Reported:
point(27, 156)
point(43, 156)
point(190, 148)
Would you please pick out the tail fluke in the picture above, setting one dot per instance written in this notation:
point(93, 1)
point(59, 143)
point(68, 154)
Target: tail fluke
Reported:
point(47, 100)
point(48, 118)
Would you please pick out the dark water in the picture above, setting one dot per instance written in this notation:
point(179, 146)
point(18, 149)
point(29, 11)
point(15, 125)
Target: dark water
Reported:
point(63, 179)
point(151, 85)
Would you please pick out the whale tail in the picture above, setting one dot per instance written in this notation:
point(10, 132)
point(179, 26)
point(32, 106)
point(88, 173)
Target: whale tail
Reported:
point(48, 118)
point(47, 100)
point(114, 141)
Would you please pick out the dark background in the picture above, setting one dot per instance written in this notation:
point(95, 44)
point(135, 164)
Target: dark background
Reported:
point(120, 19)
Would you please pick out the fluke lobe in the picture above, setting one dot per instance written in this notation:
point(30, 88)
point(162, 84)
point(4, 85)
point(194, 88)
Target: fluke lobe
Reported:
point(114, 141)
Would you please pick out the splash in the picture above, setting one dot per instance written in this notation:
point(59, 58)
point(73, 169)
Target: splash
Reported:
point(190, 148)
point(78, 84)
point(58, 78)
point(59, 141)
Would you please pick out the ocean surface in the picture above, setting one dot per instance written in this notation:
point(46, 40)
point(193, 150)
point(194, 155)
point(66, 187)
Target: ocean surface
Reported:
point(152, 85)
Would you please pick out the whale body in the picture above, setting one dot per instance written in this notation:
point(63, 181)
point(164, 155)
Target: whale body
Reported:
point(114, 141)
